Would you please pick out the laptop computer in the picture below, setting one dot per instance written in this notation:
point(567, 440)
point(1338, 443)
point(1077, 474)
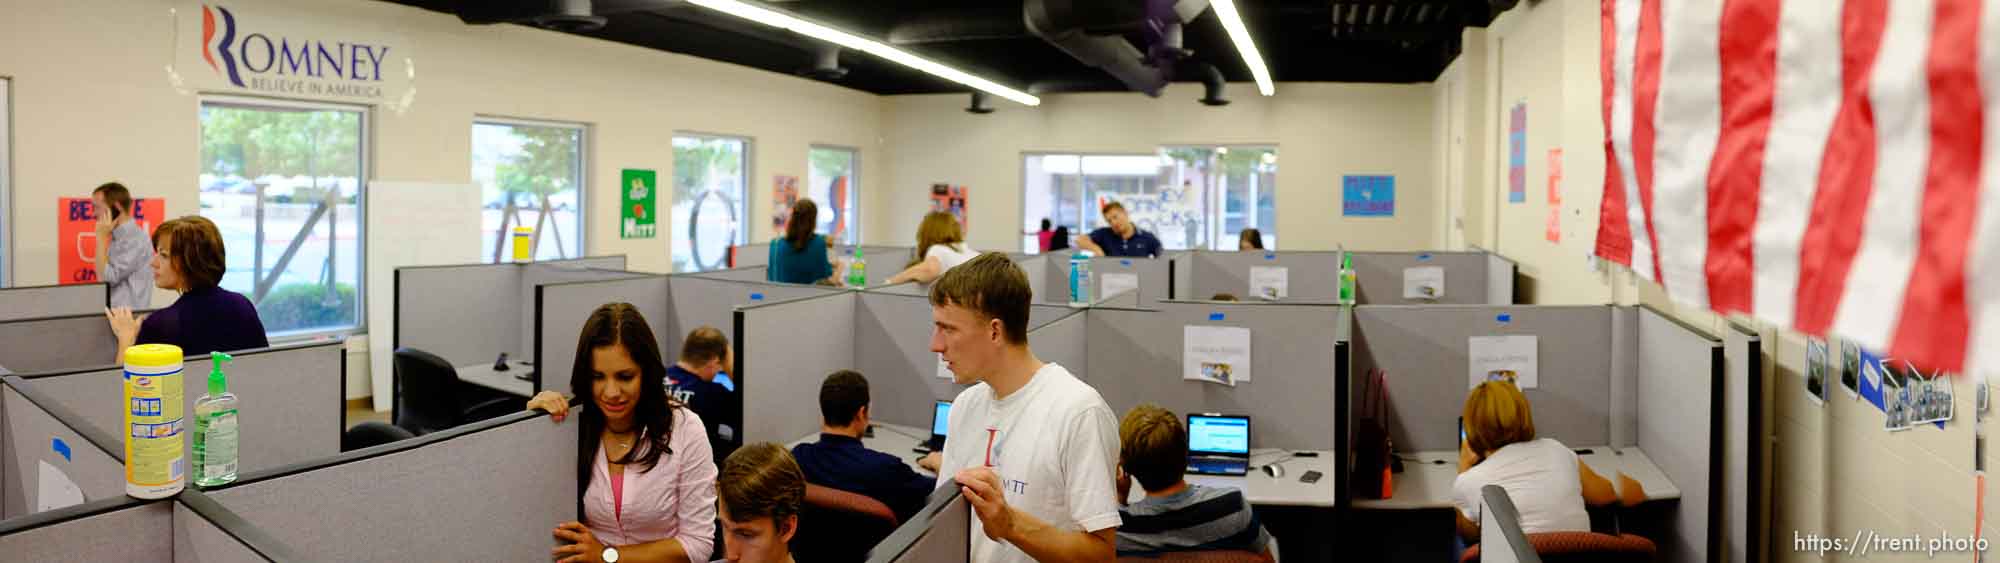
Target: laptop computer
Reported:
point(940, 425)
point(1218, 444)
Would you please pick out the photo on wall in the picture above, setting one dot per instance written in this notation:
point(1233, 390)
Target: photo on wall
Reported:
point(1895, 401)
point(1933, 397)
point(1850, 368)
point(1816, 368)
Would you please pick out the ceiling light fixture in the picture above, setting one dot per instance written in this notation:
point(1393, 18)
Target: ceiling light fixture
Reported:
point(782, 20)
point(1232, 21)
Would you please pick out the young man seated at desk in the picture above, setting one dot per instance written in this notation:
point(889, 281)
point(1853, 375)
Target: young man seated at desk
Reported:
point(704, 354)
point(838, 460)
point(1175, 515)
point(1500, 448)
point(758, 496)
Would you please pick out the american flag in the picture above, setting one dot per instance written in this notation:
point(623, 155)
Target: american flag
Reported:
point(1817, 164)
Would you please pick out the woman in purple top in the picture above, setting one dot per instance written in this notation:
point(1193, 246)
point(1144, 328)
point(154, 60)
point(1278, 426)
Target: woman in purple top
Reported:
point(637, 449)
point(188, 258)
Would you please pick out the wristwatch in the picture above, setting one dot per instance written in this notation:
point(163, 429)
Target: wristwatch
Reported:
point(610, 554)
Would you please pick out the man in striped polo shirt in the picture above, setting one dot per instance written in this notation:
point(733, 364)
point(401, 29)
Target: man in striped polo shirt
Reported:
point(1175, 515)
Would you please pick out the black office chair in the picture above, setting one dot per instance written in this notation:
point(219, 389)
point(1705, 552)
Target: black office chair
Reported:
point(427, 395)
point(837, 526)
point(371, 434)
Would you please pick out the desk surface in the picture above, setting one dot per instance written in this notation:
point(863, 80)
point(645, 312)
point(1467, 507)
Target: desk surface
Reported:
point(503, 381)
point(893, 439)
point(1262, 489)
point(1425, 483)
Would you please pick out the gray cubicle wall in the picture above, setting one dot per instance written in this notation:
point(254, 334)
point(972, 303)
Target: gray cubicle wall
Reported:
point(1156, 277)
point(417, 492)
point(883, 261)
point(1311, 276)
point(561, 308)
point(1036, 267)
point(1134, 356)
point(113, 529)
point(56, 343)
point(1062, 342)
point(472, 313)
point(1742, 468)
point(940, 533)
point(701, 301)
point(290, 407)
point(755, 273)
point(36, 434)
point(1470, 278)
point(753, 254)
point(205, 532)
point(1680, 379)
point(29, 302)
point(783, 350)
point(1424, 352)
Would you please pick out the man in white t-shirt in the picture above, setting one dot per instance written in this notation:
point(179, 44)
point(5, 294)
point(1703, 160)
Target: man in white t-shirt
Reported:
point(1032, 448)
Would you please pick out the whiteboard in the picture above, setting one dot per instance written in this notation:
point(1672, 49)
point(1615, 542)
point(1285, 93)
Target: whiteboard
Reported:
point(411, 224)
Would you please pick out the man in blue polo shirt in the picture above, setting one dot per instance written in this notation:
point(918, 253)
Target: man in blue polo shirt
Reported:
point(693, 381)
point(1121, 238)
point(838, 459)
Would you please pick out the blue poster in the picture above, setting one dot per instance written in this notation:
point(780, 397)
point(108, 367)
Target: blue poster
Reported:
point(1368, 196)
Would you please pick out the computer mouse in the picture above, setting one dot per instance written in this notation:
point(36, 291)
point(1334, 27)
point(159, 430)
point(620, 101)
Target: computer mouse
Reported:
point(1275, 471)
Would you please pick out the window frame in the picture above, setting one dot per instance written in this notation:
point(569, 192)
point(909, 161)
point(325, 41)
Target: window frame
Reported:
point(1215, 210)
point(583, 164)
point(364, 155)
point(853, 184)
point(743, 219)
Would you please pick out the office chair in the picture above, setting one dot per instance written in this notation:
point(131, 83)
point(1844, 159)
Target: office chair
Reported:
point(370, 434)
point(427, 398)
point(837, 526)
point(1230, 556)
point(1582, 547)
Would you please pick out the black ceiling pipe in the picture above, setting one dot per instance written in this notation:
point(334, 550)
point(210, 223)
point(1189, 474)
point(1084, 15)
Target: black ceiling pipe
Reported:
point(1211, 84)
point(980, 104)
point(825, 63)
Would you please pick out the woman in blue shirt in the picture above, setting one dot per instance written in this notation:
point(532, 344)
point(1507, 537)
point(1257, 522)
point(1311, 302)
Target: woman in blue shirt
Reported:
point(800, 256)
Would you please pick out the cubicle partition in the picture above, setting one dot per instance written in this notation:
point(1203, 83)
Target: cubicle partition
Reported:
point(1135, 356)
point(29, 302)
point(1153, 278)
point(470, 314)
point(417, 493)
point(291, 409)
point(189, 528)
point(892, 334)
point(40, 450)
point(883, 261)
point(1627, 379)
point(57, 343)
point(1310, 276)
point(783, 350)
point(1470, 278)
point(940, 533)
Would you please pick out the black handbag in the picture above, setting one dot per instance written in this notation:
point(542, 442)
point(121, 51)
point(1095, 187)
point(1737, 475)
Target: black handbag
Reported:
point(1372, 453)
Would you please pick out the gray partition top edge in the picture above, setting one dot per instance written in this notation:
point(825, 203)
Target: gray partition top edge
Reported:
point(830, 292)
point(1709, 335)
point(465, 264)
point(625, 278)
point(96, 314)
point(382, 450)
point(236, 354)
point(711, 275)
point(907, 534)
point(69, 513)
point(236, 526)
point(110, 444)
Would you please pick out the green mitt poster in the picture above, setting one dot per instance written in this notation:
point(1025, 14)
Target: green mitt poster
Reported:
point(636, 208)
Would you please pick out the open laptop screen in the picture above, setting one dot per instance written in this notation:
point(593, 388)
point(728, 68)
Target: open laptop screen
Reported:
point(1218, 435)
point(941, 419)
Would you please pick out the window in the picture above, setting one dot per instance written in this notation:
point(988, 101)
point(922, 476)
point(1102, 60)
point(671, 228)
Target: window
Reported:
point(711, 186)
point(529, 174)
point(284, 183)
point(1068, 189)
point(831, 182)
point(1238, 186)
point(6, 193)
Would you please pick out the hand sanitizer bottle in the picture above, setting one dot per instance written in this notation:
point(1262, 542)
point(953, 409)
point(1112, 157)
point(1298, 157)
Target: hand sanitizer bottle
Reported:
point(215, 429)
point(857, 270)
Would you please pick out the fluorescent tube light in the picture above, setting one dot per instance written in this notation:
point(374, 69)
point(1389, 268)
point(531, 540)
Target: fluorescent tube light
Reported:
point(1232, 21)
point(778, 19)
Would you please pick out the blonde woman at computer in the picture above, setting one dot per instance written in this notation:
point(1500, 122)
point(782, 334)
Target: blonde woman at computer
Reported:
point(1548, 484)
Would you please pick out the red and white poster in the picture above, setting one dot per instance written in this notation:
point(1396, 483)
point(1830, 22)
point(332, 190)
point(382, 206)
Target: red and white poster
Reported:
point(76, 234)
point(784, 193)
point(1555, 233)
point(951, 199)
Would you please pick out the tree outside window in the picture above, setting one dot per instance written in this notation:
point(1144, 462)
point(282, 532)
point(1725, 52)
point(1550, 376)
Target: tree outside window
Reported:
point(284, 185)
point(529, 175)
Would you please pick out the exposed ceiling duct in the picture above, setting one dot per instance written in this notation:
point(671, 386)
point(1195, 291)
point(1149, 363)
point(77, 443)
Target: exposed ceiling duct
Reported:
point(570, 15)
point(1094, 33)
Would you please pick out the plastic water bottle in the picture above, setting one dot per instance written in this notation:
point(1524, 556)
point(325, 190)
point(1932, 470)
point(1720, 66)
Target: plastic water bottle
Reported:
point(1079, 279)
point(1346, 278)
point(155, 466)
point(215, 430)
point(857, 270)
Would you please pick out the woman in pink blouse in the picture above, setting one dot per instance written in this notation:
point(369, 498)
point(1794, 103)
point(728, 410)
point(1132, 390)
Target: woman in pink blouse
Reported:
point(643, 462)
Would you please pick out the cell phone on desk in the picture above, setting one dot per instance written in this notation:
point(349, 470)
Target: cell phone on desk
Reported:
point(500, 364)
point(1310, 477)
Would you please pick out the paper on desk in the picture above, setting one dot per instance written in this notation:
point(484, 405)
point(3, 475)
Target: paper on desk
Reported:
point(1423, 283)
point(1270, 282)
point(54, 490)
point(1114, 284)
point(1215, 354)
point(1503, 357)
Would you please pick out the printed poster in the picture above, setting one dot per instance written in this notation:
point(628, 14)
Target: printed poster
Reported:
point(951, 199)
point(1215, 354)
point(784, 193)
point(1503, 358)
point(1368, 196)
point(76, 234)
point(637, 210)
point(1270, 283)
point(1517, 154)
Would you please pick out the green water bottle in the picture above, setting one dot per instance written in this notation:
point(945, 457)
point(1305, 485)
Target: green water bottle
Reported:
point(215, 430)
point(857, 270)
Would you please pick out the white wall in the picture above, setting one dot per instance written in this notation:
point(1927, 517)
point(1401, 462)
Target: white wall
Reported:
point(1322, 131)
point(93, 104)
